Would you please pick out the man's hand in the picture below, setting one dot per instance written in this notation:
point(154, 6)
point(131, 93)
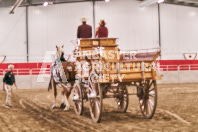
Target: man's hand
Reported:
point(15, 85)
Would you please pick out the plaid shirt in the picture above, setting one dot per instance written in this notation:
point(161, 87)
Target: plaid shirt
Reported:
point(102, 31)
point(84, 31)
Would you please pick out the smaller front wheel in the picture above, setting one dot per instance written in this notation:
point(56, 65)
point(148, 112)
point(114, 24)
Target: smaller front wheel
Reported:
point(78, 100)
point(95, 103)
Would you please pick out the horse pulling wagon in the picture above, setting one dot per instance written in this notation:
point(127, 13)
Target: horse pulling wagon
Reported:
point(104, 71)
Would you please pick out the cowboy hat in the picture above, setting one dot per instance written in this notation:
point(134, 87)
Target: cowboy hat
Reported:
point(83, 19)
point(102, 22)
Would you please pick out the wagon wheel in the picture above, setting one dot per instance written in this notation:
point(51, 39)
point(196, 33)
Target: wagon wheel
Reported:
point(96, 102)
point(148, 99)
point(122, 98)
point(78, 104)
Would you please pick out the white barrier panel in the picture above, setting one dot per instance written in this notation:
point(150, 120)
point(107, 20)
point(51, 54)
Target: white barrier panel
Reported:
point(169, 77)
point(188, 76)
point(28, 82)
point(179, 77)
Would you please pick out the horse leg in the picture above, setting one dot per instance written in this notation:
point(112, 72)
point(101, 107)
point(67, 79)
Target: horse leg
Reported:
point(55, 94)
point(62, 101)
point(67, 104)
point(67, 94)
point(66, 100)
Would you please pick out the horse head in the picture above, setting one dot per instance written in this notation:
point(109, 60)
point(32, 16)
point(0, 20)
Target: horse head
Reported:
point(59, 50)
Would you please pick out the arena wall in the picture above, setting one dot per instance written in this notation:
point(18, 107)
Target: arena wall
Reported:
point(136, 27)
point(179, 29)
point(13, 35)
point(55, 25)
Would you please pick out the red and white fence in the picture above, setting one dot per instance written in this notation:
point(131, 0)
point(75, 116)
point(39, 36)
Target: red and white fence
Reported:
point(27, 73)
point(188, 67)
point(44, 68)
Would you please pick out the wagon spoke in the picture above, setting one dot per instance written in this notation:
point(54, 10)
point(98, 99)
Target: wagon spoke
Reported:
point(141, 102)
point(151, 103)
point(79, 105)
point(97, 106)
point(145, 107)
point(150, 85)
point(148, 107)
point(151, 89)
point(124, 99)
point(92, 104)
point(152, 94)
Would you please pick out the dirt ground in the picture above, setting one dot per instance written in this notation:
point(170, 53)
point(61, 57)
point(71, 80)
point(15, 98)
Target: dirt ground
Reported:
point(177, 110)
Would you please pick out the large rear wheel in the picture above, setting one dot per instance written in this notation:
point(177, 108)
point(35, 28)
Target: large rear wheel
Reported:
point(148, 98)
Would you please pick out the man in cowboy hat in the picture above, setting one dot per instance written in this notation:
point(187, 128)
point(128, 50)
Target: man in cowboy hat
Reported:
point(84, 30)
point(8, 81)
point(102, 31)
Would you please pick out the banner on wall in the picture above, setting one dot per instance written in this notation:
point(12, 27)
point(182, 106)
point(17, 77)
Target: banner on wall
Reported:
point(190, 56)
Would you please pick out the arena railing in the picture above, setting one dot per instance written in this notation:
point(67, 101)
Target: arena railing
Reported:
point(46, 71)
point(186, 67)
point(25, 71)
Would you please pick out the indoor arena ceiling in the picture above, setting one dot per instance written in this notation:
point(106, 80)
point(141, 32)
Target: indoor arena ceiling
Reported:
point(8, 3)
point(193, 3)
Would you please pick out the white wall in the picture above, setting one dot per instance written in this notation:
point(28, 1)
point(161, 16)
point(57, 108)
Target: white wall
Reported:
point(55, 25)
point(179, 77)
point(179, 31)
point(135, 27)
point(13, 35)
point(28, 82)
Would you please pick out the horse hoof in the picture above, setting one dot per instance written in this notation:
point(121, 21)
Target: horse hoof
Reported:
point(62, 106)
point(66, 109)
point(54, 106)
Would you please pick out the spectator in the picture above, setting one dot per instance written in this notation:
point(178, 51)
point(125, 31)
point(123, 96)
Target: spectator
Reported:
point(8, 81)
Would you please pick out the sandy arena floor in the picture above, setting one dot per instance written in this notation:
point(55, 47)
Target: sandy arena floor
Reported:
point(177, 110)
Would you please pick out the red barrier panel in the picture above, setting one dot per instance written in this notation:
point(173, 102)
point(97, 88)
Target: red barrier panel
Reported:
point(177, 62)
point(44, 68)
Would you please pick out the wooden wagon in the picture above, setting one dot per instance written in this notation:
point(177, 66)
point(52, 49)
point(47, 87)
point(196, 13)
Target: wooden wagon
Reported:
point(103, 68)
